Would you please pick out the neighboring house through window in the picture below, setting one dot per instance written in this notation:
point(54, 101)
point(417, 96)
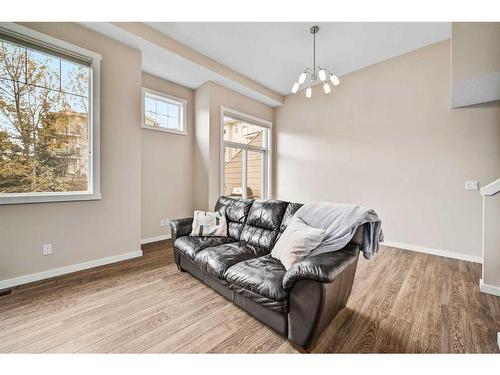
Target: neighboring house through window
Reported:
point(48, 120)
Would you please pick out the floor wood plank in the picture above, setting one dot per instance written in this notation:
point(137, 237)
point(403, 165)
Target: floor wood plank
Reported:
point(401, 302)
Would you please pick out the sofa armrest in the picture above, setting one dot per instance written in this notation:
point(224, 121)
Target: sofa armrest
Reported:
point(323, 267)
point(180, 227)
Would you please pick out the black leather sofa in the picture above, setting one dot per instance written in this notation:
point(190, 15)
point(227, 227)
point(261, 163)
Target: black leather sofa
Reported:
point(298, 303)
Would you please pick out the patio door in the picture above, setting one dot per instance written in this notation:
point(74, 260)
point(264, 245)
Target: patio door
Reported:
point(245, 166)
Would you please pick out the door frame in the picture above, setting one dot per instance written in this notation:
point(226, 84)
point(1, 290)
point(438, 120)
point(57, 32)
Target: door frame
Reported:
point(267, 152)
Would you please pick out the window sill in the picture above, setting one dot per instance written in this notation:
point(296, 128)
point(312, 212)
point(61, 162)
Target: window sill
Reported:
point(165, 130)
point(24, 198)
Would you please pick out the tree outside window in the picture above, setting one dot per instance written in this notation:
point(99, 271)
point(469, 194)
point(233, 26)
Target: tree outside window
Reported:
point(44, 127)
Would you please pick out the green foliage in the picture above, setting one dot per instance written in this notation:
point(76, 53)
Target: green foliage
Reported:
point(36, 128)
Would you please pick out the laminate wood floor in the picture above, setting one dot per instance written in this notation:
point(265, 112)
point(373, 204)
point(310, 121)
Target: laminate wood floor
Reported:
point(402, 302)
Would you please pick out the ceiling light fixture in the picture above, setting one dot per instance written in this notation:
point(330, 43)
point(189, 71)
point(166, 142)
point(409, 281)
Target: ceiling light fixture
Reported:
point(316, 74)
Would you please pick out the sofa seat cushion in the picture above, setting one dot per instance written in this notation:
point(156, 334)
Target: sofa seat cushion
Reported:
point(216, 260)
point(262, 275)
point(190, 246)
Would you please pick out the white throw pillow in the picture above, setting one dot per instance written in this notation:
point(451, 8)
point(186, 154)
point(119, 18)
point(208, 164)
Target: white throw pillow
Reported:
point(209, 224)
point(297, 241)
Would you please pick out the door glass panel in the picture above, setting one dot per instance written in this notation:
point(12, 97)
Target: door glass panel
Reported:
point(255, 173)
point(233, 171)
point(243, 132)
point(246, 146)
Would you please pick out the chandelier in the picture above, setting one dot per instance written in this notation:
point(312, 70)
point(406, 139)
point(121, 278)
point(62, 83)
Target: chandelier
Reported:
point(317, 74)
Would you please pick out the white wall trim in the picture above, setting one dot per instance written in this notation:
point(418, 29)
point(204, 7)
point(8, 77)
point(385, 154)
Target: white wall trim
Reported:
point(9, 283)
point(431, 251)
point(491, 188)
point(155, 239)
point(490, 289)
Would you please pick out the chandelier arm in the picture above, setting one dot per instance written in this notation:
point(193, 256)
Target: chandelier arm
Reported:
point(314, 72)
point(330, 72)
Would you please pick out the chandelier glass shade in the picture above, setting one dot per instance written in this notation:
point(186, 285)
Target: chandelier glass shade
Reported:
point(316, 74)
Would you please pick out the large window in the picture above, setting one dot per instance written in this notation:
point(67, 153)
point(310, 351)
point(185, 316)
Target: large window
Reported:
point(163, 112)
point(246, 161)
point(46, 134)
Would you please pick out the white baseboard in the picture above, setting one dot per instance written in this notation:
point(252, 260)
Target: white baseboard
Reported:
point(428, 250)
point(9, 283)
point(155, 239)
point(490, 289)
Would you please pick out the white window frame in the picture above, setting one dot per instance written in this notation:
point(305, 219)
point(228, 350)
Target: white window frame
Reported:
point(267, 192)
point(170, 99)
point(94, 176)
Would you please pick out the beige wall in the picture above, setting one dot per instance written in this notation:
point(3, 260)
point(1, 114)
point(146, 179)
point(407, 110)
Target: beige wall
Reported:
point(475, 55)
point(386, 138)
point(491, 266)
point(475, 49)
point(210, 97)
point(201, 146)
point(167, 166)
point(84, 231)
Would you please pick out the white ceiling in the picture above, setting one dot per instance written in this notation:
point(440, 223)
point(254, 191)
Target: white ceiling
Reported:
point(165, 64)
point(274, 54)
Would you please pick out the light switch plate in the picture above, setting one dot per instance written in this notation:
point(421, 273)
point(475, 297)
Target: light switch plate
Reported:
point(471, 185)
point(47, 249)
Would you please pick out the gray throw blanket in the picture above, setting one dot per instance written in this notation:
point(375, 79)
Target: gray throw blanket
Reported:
point(340, 222)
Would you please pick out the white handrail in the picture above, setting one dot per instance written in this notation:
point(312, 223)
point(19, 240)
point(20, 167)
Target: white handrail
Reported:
point(492, 188)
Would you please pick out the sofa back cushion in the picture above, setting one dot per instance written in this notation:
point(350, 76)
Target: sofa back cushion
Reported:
point(263, 223)
point(291, 208)
point(236, 214)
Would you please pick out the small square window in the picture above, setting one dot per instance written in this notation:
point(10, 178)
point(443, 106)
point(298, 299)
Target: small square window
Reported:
point(163, 112)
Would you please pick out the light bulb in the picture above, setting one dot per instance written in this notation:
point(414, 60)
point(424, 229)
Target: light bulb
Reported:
point(308, 92)
point(326, 88)
point(295, 87)
point(302, 77)
point(334, 80)
point(322, 75)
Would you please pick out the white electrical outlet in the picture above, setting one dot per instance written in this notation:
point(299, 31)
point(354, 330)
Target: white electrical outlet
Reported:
point(162, 222)
point(47, 249)
point(471, 185)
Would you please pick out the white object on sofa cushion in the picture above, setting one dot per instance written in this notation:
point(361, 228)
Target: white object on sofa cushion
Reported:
point(209, 224)
point(297, 241)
